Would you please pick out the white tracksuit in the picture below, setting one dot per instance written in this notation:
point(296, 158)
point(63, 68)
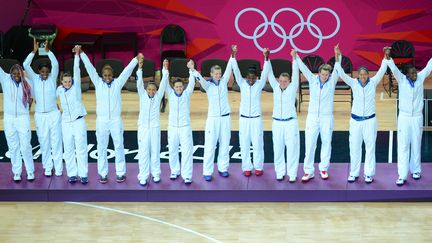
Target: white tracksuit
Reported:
point(47, 114)
point(108, 112)
point(285, 127)
point(250, 121)
point(363, 124)
point(218, 124)
point(16, 124)
point(179, 130)
point(149, 128)
point(319, 120)
point(410, 119)
point(74, 128)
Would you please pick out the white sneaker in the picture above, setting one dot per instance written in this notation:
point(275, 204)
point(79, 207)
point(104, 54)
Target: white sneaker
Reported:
point(307, 177)
point(324, 174)
point(368, 179)
point(416, 176)
point(17, 177)
point(48, 173)
point(143, 182)
point(156, 179)
point(187, 181)
point(352, 179)
point(30, 176)
point(292, 179)
point(400, 182)
point(280, 177)
point(173, 176)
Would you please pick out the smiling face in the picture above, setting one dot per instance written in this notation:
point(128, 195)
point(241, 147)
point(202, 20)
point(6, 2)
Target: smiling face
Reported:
point(324, 72)
point(284, 80)
point(363, 75)
point(16, 75)
point(412, 73)
point(44, 72)
point(251, 78)
point(178, 87)
point(216, 73)
point(151, 89)
point(107, 74)
point(66, 80)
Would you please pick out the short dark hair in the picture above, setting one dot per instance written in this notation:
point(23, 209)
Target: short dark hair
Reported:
point(363, 68)
point(44, 64)
point(178, 80)
point(252, 70)
point(151, 83)
point(407, 67)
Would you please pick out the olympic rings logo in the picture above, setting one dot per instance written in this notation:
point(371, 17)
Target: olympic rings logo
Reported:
point(295, 31)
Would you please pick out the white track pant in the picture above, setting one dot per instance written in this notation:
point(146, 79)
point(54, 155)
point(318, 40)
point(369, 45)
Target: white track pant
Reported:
point(362, 131)
point(217, 129)
point(148, 151)
point(180, 136)
point(103, 129)
point(75, 147)
point(251, 130)
point(18, 136)
point(286, 135)
point(409, 135)
point(317, 126)
point(49, 132)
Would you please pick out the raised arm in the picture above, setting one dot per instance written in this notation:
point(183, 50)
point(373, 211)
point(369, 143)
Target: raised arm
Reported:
point(127, 71)
point(399, 76)
point(271, 78)
point(266, 69)
point(77, 73)
point(27, 62)
point(139, 77)
point(228, 70)
point(383, 68)
point(3, 77)
point(164, 81)
point(304, 69)
point(339, 70)
point(237, 74)
point(423, 74)
point(191, 85)
point(91, 70)
point(54, 62)
point(295, 77)
point(140, 82)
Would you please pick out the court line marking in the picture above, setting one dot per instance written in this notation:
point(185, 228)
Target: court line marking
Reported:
point(146, 218)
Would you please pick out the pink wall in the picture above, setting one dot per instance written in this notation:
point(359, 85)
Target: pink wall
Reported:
point(11, 13)
point(365, 26)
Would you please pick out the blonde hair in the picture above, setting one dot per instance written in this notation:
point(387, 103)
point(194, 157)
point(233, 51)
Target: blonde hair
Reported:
point(325, 67)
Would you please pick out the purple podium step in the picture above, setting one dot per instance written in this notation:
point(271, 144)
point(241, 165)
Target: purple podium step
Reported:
point(235, 188)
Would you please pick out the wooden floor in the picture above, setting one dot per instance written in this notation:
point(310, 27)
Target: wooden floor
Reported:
point(220, 222)
point(224, 222)
point(386, 110)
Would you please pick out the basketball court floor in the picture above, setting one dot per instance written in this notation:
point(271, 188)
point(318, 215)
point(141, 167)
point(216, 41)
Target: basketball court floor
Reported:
point(76, 220)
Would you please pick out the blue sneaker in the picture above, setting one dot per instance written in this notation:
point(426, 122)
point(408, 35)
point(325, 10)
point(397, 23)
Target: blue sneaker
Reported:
point(72, 179)
point(208, 177)
point(84, 180)
point(224, 174)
